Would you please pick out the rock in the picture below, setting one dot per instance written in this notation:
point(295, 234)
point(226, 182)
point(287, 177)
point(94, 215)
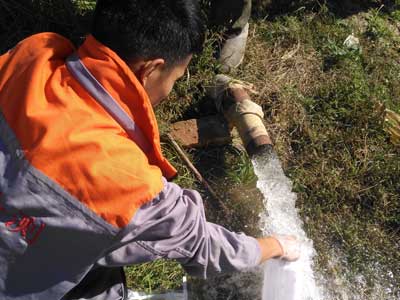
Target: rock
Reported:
point(197, 133)
point(352, 42)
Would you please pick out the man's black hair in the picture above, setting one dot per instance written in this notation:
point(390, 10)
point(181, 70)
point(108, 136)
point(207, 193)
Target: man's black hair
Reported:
point(149, 29)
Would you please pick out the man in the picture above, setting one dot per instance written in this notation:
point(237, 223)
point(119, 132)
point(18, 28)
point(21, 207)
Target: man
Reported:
point(83, 180)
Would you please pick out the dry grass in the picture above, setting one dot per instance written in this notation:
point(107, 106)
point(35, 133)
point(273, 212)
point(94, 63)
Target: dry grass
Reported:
point(323, 110)
point(279, 69)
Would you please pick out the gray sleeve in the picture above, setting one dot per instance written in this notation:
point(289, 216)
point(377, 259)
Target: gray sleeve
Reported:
point(174, 226)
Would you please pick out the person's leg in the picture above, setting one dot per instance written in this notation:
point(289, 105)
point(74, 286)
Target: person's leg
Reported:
point(234, 15)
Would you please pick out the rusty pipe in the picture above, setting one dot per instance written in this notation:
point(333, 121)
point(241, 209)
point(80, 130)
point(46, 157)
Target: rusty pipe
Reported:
point(247, 116)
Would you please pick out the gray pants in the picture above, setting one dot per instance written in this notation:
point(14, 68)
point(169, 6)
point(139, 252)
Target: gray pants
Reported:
point(233, 14)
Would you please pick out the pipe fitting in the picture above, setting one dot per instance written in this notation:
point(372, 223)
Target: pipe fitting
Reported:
point(247, 116)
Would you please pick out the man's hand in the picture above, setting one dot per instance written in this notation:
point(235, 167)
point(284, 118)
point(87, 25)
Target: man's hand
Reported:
point(285, 247)
point(290, 247)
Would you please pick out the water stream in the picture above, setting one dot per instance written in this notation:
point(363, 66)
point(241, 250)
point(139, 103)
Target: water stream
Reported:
point(282, 280)
point(298, 280)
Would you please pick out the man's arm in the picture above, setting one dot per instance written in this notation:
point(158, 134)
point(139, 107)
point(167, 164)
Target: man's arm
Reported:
point(174, 226)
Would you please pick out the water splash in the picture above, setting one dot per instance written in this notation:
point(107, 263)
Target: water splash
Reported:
point(298, 281)
point(282, 280)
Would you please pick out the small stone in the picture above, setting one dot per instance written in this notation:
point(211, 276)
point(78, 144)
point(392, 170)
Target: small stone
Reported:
point(352, 42)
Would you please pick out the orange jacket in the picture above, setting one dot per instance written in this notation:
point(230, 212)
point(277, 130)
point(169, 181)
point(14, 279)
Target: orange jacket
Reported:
point(69, 137)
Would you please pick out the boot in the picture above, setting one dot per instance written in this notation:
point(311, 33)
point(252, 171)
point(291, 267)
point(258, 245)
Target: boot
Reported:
point(233, 50)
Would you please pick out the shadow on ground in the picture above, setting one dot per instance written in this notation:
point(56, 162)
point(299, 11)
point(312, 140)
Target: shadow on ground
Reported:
point(274, 8)
point(22, 18)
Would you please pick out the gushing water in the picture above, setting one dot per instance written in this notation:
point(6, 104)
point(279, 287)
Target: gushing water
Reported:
point(297, 280)
point(282, 280)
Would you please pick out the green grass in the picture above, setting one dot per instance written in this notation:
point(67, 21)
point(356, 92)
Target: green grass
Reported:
point(324, 110)
point(160, 275)
point(344, 168)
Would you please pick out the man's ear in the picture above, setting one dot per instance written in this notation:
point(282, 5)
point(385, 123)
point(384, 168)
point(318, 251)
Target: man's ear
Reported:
point(146, 69)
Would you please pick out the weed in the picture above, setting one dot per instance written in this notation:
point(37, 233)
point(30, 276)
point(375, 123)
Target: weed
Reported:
point(160, 275)
point(377, 25)
point(241, 171)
